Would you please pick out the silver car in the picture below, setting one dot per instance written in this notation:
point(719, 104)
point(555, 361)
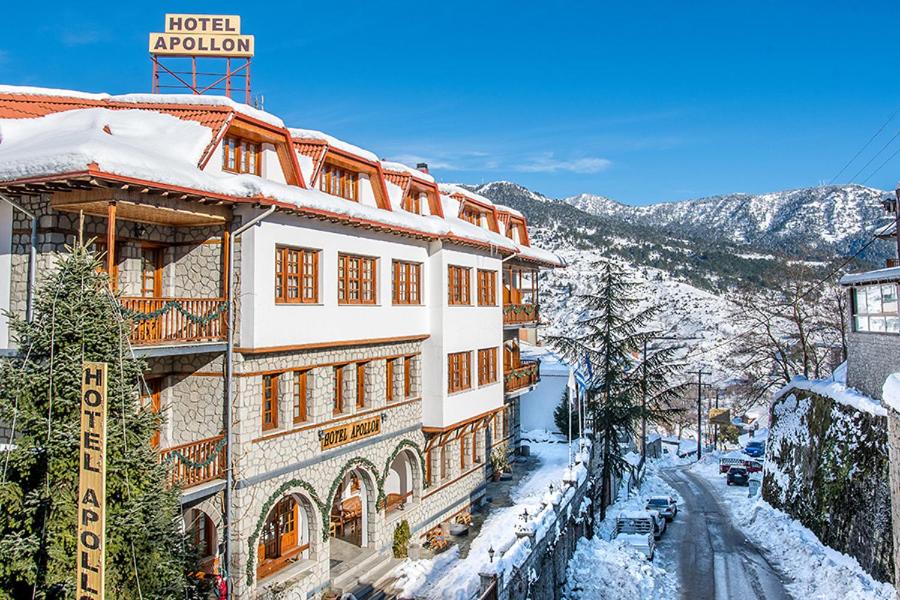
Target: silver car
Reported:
point(664, 505)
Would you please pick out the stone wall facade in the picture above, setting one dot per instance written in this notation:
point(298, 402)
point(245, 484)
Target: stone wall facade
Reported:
point(827, 466)
point(871, 358)
point(893, 422)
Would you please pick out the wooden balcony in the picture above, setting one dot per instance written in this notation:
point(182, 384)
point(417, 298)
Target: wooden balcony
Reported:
point(527, 374)
point(175, 320)
point(520, 314)
point(195, 463)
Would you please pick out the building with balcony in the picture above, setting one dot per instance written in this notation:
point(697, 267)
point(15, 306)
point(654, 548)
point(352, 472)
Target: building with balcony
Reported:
point(372, 309)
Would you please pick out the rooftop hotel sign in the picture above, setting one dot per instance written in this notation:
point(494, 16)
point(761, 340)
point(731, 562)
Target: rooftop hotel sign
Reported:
point(91, 549)
point(202, 35)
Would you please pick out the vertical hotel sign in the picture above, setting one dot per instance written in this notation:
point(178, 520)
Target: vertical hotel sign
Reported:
point(202, 35)
point(92, 484)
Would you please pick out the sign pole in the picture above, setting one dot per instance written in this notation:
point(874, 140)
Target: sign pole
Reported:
point(91, 548)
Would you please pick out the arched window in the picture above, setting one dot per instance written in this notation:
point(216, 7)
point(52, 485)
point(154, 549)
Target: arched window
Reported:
point(284, 538)
point(202, 533)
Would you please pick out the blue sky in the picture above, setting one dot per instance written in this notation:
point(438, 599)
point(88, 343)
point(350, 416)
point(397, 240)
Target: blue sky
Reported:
point(639, 101)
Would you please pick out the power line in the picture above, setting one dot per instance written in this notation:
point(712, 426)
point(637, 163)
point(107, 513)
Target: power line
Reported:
point(881, 166)
point(866, 145)
point(876, 155)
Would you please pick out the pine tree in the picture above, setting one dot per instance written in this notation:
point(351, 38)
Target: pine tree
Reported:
point(563, 412)
point(77, 319)
point(610, 339)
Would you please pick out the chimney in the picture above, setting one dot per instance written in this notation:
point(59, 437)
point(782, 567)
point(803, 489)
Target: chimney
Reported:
point(422, 166)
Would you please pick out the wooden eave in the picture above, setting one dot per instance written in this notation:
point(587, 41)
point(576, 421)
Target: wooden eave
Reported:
point(353, 162)
point(262, 132)
point(491, 211)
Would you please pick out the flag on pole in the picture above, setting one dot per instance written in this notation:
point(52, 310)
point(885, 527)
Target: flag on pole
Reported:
point(572, 387)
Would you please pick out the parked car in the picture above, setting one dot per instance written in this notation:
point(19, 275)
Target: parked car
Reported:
point(737, 476)
point(664, 505)
point(636, 528)
point(755, 449)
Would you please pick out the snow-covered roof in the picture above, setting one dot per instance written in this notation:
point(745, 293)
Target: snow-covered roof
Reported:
point(395, 166)
point(551, 363)
point(101, 134)
point(889, 274)
point(312, 134)
point(452, 188)
point(509, 210)
point(634, 514)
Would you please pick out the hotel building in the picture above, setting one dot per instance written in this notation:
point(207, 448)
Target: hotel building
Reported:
point(374, 365)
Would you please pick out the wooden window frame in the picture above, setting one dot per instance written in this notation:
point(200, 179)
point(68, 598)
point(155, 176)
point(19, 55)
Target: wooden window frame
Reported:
point(338, 405)
point(487, 287)
point(406, 282)
point(346, 264)
point(301, 396)
point(407, 376)
point(459, 371)
point(428, 472)
point(412, 202)
point(270, 395)
point(459, 285)
point(389, 380)
point(307, 263)
point(361, 385)
point(487, 366)
point(242, 147)
point(338, 181)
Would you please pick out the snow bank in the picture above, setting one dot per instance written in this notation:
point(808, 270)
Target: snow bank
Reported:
point(395, 166)
point(835, 388)
point(817, 571)
point(891, 391)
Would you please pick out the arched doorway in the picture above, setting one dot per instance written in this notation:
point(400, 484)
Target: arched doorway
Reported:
point(351, 522)
point(201, 532)
point(402, 484)
point(285, 536)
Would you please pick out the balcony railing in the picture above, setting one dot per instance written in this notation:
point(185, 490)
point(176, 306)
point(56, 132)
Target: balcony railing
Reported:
point(172, 320)
point(517, 314)
point(528, 373)
point(196, 462)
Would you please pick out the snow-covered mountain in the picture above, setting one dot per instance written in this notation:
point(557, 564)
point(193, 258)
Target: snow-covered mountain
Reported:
point(820, 218)
point(694, 257)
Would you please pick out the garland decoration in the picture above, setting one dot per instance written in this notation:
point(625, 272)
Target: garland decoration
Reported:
point(170, 305)
point(518, 309)
point(177, 455)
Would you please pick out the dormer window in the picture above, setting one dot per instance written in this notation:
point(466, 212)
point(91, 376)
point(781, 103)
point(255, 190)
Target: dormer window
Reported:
point(240, 156)
point(339, 182)
point(413, 203)
point(471, 215)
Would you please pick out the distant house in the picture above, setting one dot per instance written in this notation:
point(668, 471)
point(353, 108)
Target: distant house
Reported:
point(536, 407)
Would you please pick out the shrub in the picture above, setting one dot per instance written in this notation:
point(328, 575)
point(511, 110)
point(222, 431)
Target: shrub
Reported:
point(401, 539)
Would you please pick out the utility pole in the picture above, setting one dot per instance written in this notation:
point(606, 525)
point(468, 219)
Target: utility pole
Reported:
point(700, 374)
point(716, 436)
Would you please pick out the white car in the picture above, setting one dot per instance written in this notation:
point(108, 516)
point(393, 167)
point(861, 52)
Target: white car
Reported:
point(659, 524)
point(638, 528)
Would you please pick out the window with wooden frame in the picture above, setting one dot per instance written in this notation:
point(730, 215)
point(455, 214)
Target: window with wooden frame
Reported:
point(280, 538)
point(240, 155)
point(270, 401)
point(487, 366)
point(356, 279)
point(476, 459)
point(296, 275)
point(301, 396)
point(338, 390)
point(389, 379)
point(338, 181)
point(360, 385)
point(459, 367)
point(471, 215)
point(487, 288)
point(413, 203)
point(151, 271)
point(407, 282)
point(407, 376)
point(445, 462)
point(428, 474)
point(463, 456)
point(458, 286)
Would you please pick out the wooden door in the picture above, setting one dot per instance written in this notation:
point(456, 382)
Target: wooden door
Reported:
point(151, 272)
point(290, 520)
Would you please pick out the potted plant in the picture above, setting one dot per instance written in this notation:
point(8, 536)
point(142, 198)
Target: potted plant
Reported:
point(499, 462)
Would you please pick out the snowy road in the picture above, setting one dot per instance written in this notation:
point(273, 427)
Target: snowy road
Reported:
point(715, 561)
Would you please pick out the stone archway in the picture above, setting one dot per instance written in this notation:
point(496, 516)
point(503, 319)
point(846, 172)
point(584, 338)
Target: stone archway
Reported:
point(289, 534)
point(402, 481)
point(202, 531)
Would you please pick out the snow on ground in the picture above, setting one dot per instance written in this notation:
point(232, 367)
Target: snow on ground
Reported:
point(449, 577)
point(605, 568)
point(818, 572)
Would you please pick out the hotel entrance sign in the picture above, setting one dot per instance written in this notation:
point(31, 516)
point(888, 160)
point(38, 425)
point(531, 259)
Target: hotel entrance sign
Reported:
point(202, 35)
point(91, 549)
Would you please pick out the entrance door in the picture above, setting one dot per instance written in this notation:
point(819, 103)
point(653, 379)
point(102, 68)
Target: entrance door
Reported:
point(151, 287)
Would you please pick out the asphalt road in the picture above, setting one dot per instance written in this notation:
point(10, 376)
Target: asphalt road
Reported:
point(714, 559)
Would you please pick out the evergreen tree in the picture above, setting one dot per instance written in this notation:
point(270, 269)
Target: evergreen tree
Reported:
point(563, 413)
point(610, 339)
point(76, 319)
